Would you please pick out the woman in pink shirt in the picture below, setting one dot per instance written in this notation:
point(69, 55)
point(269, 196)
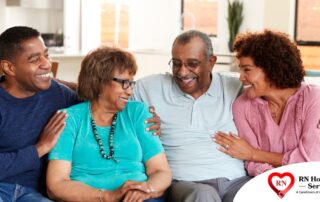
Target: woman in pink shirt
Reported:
point(277, 116)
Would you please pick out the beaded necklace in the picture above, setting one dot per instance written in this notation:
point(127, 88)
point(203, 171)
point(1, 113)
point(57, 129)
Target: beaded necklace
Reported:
point(99, 141)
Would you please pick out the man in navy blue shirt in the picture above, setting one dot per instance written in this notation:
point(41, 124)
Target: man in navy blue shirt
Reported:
point(30, 124)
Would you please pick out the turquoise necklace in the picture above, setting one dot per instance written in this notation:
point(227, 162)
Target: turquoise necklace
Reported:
point(99, 141)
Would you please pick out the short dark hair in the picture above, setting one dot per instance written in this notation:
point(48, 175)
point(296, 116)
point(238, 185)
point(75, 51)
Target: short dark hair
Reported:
point(185, 38)
point(272, 51)
point(11, 39)
point(97, 70)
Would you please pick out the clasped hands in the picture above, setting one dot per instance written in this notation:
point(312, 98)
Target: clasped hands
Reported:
point(233, 145)
point(131, 191)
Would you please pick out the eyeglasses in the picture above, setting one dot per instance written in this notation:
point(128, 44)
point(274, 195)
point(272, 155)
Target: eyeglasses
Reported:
point(177, 64)
point(125, 83)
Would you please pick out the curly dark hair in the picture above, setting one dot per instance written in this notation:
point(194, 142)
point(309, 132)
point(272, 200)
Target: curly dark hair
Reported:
point(98, 67)
point(275, 54)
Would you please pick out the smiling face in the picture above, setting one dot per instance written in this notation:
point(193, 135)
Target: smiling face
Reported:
point(253, 78)
point(31, 69)
point(113, 95)
point(193, 81)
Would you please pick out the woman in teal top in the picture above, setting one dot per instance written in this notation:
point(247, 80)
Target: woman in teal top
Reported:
point(104, 152)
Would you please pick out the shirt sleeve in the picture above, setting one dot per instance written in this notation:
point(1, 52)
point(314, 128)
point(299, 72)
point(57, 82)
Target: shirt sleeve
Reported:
point(240, 116)
point(70, 97)
point(308, 148)
point(145, 86)
point(254, 168)
point(17, 162)
point(64, 147)
point(150, 144)
point(136, 96)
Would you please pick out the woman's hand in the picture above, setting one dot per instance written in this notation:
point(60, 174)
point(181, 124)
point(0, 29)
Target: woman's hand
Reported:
point(118, 194)
point(234, 146)
point(155, 120)
point(136, 196)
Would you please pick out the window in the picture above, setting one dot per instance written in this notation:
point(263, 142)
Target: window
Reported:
point(307, 27)
point(115, 23)
point(133, 24)
point(201, 15)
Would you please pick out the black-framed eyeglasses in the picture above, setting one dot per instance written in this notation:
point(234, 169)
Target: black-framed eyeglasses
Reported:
point(125, 83)
point(190, 64)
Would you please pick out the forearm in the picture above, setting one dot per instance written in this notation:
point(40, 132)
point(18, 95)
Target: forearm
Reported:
point(61, 188)
point(72, 191)
point(159, 182)
point(272, 158)
point(76, 191)
point(303, 152)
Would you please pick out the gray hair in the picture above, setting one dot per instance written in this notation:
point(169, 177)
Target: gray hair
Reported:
point(185, 38)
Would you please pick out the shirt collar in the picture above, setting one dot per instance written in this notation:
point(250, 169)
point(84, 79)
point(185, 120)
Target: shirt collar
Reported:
point(175, 88)
point(215, 86)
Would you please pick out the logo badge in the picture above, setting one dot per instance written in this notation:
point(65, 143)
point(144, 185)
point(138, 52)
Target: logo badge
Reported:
point(279, 183)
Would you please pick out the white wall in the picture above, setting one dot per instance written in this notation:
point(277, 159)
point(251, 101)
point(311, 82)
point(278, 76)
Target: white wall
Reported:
point(72, 27)
point(44, 20)
point(2, 15)
point(154, 24)
point(151, 62)
point(69, 66)
point(253, 13)
point(279, 15)
point(258, 15)
point(90, 25)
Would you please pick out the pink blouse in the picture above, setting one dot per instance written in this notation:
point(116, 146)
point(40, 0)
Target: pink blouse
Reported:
point(297, 135)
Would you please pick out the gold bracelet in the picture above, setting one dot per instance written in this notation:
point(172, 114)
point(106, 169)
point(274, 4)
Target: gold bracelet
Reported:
point(100, 195)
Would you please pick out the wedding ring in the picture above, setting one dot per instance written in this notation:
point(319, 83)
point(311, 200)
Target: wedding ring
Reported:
point(227, 146)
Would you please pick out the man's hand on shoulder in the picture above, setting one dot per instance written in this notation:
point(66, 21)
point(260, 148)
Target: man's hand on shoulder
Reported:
point(155, 121)
point(51, 133)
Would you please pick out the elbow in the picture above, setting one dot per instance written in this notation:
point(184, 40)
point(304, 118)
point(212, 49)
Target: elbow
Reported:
point(51, 193)
point(251, 173)
point(53, 190)
point(170, 176)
